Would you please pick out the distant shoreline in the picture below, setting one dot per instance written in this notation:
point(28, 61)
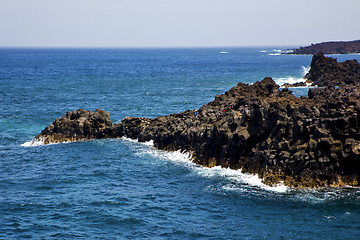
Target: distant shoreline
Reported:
point(339, 47)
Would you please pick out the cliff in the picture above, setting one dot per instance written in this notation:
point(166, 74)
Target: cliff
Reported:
point(309, 141)
point(330, 48)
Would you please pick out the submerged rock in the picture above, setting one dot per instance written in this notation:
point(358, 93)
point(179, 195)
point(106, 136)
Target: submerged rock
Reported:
point(290, 85)
point(309, 141)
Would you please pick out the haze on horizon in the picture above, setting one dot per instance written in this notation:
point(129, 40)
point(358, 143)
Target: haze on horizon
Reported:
point(185, 23)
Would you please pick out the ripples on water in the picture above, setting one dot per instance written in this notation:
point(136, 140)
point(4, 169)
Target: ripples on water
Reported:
point(131, 190)
point(122, 189)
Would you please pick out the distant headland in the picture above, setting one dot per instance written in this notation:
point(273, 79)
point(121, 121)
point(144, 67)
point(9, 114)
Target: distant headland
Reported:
point(330, 48)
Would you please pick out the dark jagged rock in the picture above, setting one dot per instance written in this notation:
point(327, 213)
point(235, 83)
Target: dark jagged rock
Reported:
point(330, 48)
point(78, 125)
point(290, 85)
point(309, 141)
point(304, 142)
point(326, 71)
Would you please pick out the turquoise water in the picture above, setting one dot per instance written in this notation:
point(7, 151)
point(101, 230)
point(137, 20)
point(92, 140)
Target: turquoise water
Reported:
point(122, 189)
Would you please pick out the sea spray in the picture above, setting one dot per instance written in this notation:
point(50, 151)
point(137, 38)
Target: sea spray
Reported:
point(291, 79)
point(305, 70)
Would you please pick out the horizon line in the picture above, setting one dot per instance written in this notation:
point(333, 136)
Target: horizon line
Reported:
point(147, 47)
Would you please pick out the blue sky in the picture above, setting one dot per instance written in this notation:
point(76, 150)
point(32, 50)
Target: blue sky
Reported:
point(176, 23)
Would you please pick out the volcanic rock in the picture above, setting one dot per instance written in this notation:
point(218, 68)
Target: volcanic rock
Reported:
point(290, 85)
point(309, 141)
point(326, 71)
point(78, 125)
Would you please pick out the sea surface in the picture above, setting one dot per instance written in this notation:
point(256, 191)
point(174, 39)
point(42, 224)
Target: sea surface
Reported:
point(122, 189)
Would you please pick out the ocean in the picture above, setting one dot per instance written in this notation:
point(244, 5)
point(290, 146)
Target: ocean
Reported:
point(122, 189)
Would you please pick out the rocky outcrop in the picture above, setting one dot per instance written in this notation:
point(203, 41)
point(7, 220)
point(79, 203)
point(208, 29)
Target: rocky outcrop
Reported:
point(327, 71)
point(78, 125)
point(304, 142)
point(330, 48)
point(291, 85)
point(309, 141)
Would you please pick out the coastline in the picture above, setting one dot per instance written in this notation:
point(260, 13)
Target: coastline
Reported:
point(330, 48)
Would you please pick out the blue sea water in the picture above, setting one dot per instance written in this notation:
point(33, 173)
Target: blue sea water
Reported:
point(122, 189)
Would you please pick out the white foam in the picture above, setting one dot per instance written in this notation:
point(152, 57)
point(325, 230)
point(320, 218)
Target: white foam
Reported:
point(223, 52)
point(289, 80)
point(33, 143)
point(39, 142)
point(277, 52)
point(129, 139)
point(305, 70)
point(149, 143)
point(235, 176)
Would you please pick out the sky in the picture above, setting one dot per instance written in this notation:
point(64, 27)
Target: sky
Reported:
point(176, 23)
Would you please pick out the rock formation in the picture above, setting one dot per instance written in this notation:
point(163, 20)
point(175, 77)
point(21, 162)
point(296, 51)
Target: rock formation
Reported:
point(309, 141)
point(78, 125)
point(330, 48)
point(326, 71)
point(297, 84)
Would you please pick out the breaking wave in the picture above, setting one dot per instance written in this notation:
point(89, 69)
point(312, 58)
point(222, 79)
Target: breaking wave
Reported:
point(277, 52)
point(239, 182)
point(34, 143)
point(39, 142)
point(234, 177)
point(232, 180)
point(291, 80)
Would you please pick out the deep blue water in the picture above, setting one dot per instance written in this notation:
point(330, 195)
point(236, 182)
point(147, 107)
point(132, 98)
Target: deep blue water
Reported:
point(121, 189)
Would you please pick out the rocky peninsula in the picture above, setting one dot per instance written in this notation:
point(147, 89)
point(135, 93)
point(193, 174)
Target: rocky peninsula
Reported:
point(341, 47)
point(309, 141)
